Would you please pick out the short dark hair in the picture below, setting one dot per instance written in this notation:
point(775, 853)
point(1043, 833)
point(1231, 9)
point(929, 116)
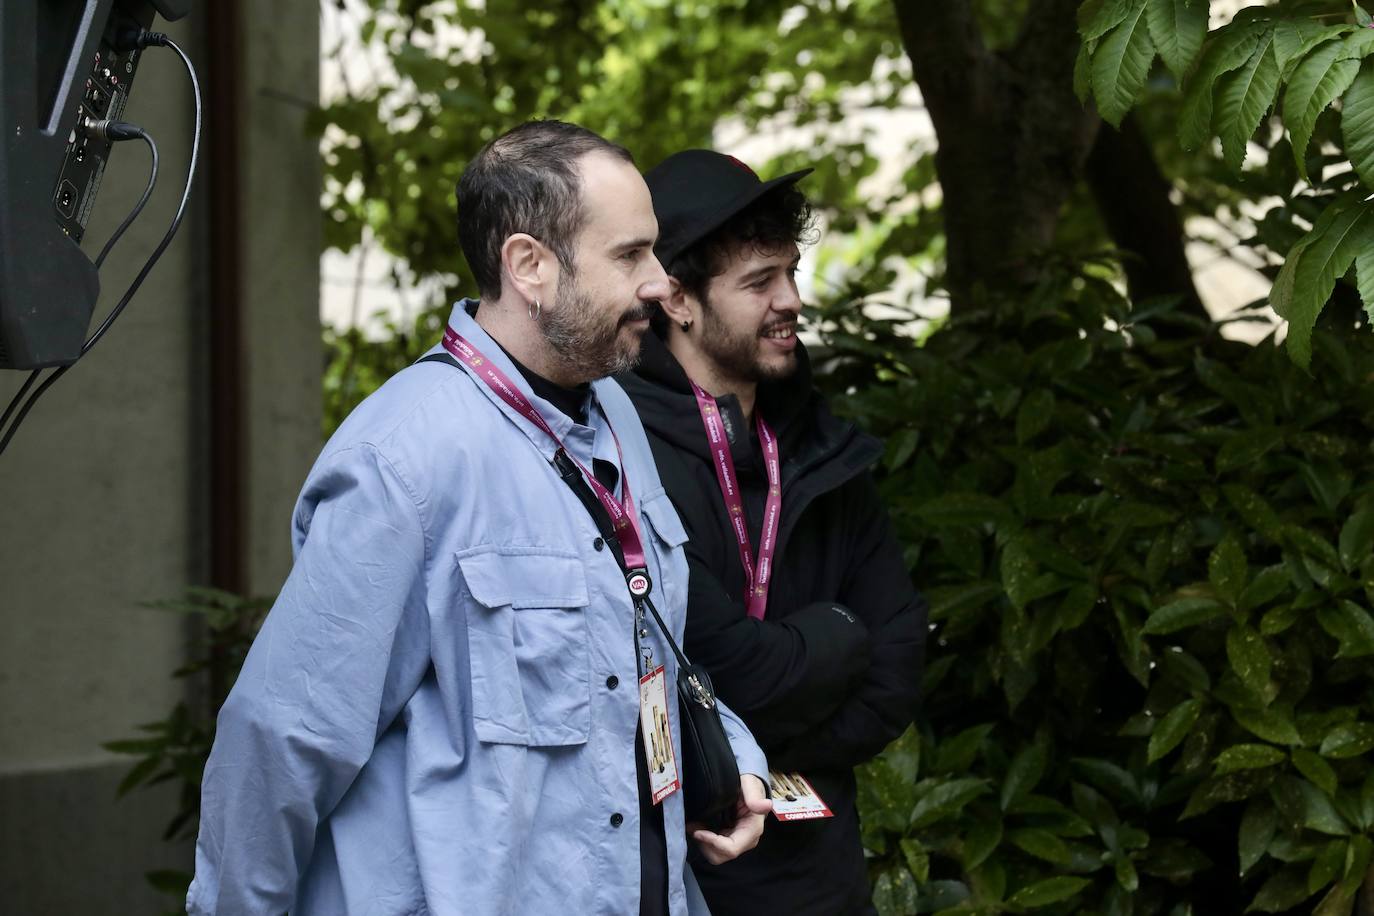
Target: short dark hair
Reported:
point(526, 180)
point(783, 215)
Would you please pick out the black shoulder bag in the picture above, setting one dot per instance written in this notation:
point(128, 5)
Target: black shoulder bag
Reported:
point(710, 776)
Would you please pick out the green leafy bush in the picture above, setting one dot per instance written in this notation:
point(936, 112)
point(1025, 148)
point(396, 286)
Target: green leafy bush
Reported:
point(174, 750)
point(1148, 554)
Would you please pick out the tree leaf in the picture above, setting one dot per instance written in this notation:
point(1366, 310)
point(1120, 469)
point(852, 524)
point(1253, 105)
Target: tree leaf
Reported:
point(1317, 81)
point(1282, 891)
point(917, 859)
point(1336, 237)
point(1267, 585)
point(1357, 537)
point(1273, 724)
point(1173, 728)
point(1348, 740)
point(1327, 866)
point(1249, 657)
point(1228, 787)
point(894, 893)
point(1034, 415)
point(1304, 805)
point(981, 840)
point(1247, 447)
point(1025, 771)
point(1042, 844)
point(1051, 890)
point(900, 448)
point(1229, 48)
point(1109, 14)
point(945, 799)
point(1121, 64)
point(1257, 828)
point(1252, 508)
point(1362, 16)
point(1227, 569)
point(956, 754)
point(1083, 69)
point(1352, 625)
point(1294, 39)
point(1178, 28)
point(1315, 769)
point(1244, 97)
point(963, 509)
point(1180, 614)
point(1357, 861)
point(1248, 757)
point(1126, 875)
point(1337, 902)
point(1364, 278)
point(1357, 123)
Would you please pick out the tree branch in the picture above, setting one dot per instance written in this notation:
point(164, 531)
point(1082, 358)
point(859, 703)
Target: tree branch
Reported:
point(1132, 198)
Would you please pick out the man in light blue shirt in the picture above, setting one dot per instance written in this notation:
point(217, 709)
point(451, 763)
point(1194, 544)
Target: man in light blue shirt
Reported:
point(440, 715)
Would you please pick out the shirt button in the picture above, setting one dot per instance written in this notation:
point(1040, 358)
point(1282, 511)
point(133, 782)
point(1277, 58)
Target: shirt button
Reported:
point(598, 544)
point(612, 682)
point(617, 819)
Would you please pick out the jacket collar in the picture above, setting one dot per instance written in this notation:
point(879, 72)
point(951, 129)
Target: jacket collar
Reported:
point(663, 394)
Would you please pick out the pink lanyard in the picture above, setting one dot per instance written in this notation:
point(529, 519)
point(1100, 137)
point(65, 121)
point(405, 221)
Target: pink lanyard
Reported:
point(756, 578)
point(622, 515)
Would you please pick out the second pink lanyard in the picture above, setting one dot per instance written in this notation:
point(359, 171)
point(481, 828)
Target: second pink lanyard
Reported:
point(757, 576)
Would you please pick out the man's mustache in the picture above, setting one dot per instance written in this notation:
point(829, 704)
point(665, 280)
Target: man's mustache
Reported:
point(642, 312)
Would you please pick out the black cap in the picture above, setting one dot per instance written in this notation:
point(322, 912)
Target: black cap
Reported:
point(696, 191)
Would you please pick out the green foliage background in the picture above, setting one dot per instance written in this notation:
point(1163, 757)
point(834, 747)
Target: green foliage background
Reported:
point(1147, 547)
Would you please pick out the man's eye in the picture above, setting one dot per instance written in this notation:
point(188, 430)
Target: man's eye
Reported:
point(631, 255)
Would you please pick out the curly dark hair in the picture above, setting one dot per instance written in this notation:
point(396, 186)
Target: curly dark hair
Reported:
point(782, 215)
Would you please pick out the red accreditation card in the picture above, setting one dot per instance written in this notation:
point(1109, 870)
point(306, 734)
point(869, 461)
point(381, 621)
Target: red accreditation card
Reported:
point(795, 799)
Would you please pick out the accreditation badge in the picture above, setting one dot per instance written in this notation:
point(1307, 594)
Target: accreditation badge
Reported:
point(795, 799)
point(658, 736)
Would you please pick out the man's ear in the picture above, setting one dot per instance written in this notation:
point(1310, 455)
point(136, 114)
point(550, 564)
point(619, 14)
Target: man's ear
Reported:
point(529, 266)
point(680, 305)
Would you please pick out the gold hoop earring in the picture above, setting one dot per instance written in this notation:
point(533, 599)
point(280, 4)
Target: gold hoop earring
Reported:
point(534, 309)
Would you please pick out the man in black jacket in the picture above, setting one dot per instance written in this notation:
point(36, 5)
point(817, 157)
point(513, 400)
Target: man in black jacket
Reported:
point(800, 606)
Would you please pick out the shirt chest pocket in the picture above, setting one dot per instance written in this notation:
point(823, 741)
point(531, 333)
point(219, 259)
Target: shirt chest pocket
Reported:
point(529, 655)
point(668, 537)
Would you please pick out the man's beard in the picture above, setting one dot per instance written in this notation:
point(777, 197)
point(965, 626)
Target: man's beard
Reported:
point(736, 353)
point(587, 342)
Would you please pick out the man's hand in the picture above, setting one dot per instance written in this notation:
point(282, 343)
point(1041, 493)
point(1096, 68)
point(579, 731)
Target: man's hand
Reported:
point(744, 834)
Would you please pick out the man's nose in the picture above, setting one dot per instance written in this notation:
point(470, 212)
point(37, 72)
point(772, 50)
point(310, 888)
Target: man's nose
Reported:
point(788, 298)
point(655, 286)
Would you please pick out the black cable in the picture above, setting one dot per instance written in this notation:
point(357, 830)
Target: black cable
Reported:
point(144, 38)
point(123, 131)
point(19, 397)
point(157, 38)
point(138, 207)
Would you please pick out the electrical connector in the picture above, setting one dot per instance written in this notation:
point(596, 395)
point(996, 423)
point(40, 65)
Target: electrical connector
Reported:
point(134, 37)
point(111, 130)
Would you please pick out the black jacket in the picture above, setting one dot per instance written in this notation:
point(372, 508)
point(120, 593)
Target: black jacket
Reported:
point(832, 672)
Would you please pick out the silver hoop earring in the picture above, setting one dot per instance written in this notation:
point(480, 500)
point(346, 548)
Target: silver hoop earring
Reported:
point(534, 309)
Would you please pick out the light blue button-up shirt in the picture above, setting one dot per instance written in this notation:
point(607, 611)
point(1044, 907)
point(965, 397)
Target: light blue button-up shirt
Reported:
point(424, 724)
